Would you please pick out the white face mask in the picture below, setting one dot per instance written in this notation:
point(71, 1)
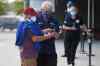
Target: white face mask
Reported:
point(33, 18)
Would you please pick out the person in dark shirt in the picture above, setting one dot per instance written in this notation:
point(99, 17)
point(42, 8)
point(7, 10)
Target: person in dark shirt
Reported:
point(72, 27)
point(48, 24)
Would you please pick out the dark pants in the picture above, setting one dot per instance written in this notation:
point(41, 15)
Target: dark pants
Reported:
point(71, 40)
point(47, 60)
point(47, 55)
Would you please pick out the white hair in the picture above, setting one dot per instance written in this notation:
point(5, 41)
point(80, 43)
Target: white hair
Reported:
point(48, 4)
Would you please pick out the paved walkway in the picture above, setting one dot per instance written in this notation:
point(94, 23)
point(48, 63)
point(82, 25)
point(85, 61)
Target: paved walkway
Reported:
point(9, 54)
point(82, 59)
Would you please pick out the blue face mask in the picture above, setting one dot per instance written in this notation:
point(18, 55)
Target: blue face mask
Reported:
point(72, 10)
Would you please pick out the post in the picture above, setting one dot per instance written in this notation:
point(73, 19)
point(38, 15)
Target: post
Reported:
point(89, 34)
point(92, 24)
point(82, 43)
point(93, 5)
point(90, 27)
point(89, 13)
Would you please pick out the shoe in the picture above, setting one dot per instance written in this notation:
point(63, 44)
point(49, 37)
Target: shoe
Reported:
point(69, 62)
point(73, 64)
point(64, 56)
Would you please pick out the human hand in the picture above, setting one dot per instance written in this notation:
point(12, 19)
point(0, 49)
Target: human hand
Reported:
point(53, 35)
point(20, 49)
point(47, 30)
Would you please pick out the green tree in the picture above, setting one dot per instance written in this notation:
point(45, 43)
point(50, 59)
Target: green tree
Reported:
point(2, 7)
point(19, 7)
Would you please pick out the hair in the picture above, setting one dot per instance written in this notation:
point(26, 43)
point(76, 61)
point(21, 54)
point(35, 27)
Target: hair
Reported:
point(48, 5)
point(30, 11)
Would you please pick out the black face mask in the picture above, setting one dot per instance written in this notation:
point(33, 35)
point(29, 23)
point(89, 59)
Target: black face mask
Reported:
point(45, 16)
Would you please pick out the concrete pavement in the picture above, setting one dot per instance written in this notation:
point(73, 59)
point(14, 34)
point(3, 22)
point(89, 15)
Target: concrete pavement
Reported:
point(9, 53)
point(82, 59)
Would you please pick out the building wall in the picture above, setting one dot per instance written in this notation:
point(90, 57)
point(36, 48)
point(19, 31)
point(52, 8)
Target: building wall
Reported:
point(84, 12)
point(59, 9)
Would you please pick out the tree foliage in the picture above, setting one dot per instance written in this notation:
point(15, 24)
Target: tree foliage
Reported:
point(19, 6)
point(2, 7)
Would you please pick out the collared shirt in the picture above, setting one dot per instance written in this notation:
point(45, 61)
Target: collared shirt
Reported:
point(48, 21)
point(72, 21)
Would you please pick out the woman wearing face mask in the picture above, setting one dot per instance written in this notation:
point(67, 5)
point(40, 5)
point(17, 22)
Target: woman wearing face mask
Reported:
point(72, 26)
point(28, 38)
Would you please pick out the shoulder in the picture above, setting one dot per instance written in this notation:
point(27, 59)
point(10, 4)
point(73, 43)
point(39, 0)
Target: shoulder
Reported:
point(21, 23)
point(39, 13)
